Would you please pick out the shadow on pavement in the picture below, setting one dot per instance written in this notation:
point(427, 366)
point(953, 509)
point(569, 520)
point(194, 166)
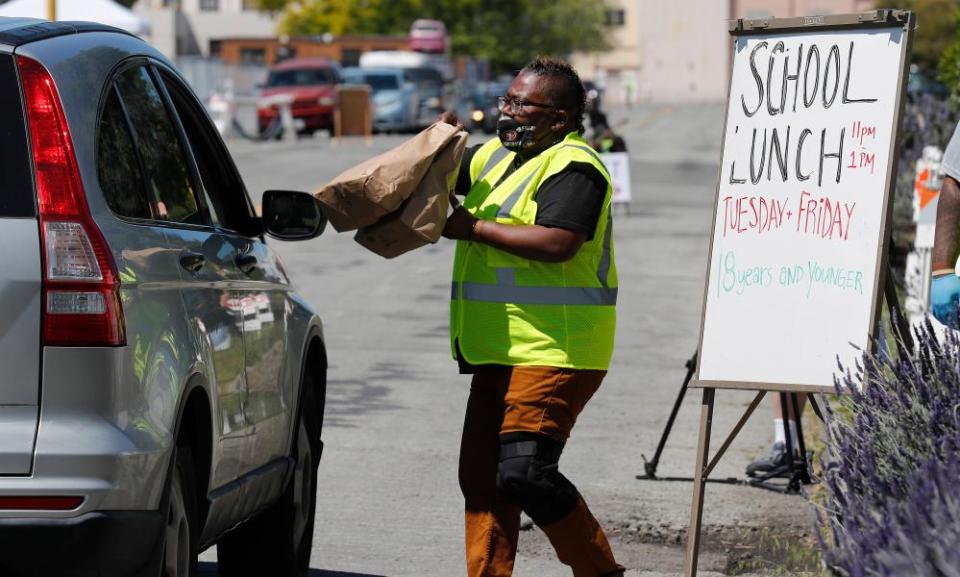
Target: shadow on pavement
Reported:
point(209, 569)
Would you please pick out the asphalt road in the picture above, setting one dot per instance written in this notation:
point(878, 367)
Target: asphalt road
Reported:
point(388, 502)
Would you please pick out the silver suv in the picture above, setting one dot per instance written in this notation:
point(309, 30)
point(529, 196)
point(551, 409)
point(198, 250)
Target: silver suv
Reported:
point(162, 384)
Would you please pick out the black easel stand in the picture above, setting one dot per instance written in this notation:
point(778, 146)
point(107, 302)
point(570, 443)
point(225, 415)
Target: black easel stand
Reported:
point(650, 467)
point(800, 474)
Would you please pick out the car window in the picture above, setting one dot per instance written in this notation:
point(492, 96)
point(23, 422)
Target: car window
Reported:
point(219, 180)
point(16, 187)
point(352, 77)
point(423, 76)
point(165, 165)
point(118, 167)
point(429, 26)
point(301, 77)
point(379, 82)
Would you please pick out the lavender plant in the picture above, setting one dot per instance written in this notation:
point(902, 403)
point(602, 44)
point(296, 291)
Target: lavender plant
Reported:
point(892, 464)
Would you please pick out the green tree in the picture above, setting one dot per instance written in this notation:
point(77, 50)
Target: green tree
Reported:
point(511, 33)
point(936, 28)
point(949, 65)
point(507, 32)
point(338, 17)
point(272, 6)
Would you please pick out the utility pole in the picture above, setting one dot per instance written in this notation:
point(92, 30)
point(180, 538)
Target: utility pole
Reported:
point(51, 10)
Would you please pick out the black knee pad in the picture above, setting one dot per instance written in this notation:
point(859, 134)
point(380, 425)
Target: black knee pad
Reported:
point(528, 475)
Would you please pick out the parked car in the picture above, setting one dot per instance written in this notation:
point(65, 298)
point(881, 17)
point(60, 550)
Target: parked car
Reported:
point(408, 59)
point(395, 101)
point(430, 92)
point(311, 83)
point(478, 107)
point(163, 385)
point(596, 115)
point(594, 94)
point(429, 36)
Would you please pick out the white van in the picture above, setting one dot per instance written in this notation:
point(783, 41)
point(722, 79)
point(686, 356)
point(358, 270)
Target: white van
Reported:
point(407, 59)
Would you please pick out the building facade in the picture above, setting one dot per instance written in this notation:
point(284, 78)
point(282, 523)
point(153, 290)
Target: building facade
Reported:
point(791, 8)
point(680, 51)
point(344, 49)
point(616, 70)
point(194, 27)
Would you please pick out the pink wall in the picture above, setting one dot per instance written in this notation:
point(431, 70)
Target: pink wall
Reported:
point(683, 43)
point(787, 8)
point(685, 46)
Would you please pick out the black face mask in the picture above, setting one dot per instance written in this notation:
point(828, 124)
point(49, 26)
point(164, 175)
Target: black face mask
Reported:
point(515, 136)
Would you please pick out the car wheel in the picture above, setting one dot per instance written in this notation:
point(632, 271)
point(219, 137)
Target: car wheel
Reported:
point(278, 542)
point(180, 530)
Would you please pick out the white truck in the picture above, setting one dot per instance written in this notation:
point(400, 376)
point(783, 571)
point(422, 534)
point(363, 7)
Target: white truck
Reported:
point(428, 72)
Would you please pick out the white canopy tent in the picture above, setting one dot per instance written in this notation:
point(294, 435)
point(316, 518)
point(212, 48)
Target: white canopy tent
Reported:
point(102, 11)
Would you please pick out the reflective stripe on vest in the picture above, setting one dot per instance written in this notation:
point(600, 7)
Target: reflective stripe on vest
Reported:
point(603, 269)
point(495, 158)
point(535, 295)
point(511, 200)
point(506, 289)
point(508, 204)
point(509, 310)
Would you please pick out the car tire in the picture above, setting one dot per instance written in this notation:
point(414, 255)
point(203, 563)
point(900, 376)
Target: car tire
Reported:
point(181, 533)
point(278, 541)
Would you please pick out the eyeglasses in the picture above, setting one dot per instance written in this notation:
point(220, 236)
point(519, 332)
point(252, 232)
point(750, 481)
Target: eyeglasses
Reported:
point(515, 105)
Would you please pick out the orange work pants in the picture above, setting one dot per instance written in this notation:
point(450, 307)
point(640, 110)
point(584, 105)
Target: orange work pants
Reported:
point(542, 400)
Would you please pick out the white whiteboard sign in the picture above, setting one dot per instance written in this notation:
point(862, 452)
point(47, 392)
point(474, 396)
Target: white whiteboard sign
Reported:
point(618, 165)
point(801, 206)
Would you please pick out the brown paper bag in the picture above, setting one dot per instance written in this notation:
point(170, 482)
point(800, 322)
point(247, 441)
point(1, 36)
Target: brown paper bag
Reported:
point(360, 196)
point(421, 218)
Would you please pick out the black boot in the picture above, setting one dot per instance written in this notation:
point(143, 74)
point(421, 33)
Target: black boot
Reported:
point(773, 465)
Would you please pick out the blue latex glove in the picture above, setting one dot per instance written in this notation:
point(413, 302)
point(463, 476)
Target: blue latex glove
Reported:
point(944, 299)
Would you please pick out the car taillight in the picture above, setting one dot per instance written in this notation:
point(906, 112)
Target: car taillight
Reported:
point(31, 503)
point(81, 291)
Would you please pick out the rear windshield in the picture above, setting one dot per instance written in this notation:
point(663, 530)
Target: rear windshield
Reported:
point(16, 187)
point(301, 77)
point(379, 82)
point(423, 75)
point(429, 27)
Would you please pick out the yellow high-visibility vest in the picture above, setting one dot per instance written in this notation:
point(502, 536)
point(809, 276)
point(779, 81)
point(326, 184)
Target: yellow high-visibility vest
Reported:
point(509, 310)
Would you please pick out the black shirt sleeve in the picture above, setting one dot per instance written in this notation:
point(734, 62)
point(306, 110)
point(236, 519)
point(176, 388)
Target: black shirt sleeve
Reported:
point(572, 199)
point(463, 177)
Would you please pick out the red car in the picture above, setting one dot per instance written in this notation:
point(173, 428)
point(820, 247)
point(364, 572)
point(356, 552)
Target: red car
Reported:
point(311, 82)
point(429, 36)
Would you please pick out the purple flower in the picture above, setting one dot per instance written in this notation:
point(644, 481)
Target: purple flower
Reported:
point(892, 464)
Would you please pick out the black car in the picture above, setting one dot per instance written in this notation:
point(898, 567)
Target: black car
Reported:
point(478, 109)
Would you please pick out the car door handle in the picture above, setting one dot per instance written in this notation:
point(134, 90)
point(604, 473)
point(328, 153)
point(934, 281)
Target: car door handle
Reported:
point(192, 261)
point(246, 262)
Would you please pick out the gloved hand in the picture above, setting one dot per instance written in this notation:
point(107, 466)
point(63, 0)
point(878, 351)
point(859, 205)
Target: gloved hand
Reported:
point(944, 299)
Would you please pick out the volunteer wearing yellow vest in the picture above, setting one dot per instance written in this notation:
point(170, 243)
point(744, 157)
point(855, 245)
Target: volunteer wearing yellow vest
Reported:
point(532, 317)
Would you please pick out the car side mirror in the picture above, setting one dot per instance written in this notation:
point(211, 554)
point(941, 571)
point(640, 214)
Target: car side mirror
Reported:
point(292, 215)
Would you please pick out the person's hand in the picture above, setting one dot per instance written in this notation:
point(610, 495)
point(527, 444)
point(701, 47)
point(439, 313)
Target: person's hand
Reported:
point(459, 224)
point(451, 119)
point(944, 299)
